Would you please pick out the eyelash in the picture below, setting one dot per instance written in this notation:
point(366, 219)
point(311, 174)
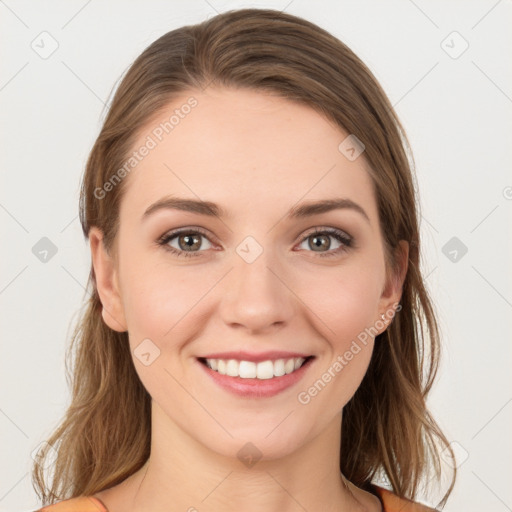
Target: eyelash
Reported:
point(346, 240)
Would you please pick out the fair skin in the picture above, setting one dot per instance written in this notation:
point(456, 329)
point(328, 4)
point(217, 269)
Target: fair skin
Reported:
point(256, 156)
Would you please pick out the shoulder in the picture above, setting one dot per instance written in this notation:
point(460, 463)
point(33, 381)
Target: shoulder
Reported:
point(81, 504)
point(392, 503)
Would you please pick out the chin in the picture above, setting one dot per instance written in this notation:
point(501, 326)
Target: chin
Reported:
point(258, 442)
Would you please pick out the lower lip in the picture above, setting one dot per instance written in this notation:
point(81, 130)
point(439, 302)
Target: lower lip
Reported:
point(257, 388)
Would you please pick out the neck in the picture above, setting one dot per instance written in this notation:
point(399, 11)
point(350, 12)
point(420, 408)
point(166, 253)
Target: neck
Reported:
point(182, 474)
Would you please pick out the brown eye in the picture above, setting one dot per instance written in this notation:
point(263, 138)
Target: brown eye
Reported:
point(185, 242)
point(320, 242)
point(190, 242)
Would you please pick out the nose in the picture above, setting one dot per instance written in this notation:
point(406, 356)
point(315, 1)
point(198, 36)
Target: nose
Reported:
point(256, 296)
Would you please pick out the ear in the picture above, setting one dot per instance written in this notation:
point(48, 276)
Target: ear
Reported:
point(107, 284)
point(392, 292)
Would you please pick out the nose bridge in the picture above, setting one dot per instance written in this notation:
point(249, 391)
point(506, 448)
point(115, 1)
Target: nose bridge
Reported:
point(257, 296)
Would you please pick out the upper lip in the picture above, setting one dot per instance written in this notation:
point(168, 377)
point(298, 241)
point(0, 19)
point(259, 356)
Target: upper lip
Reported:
point(255, 357)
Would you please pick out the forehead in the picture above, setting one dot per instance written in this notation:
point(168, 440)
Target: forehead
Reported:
point(249, 151)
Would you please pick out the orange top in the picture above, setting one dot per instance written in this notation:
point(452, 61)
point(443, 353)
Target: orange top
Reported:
point(390, 503)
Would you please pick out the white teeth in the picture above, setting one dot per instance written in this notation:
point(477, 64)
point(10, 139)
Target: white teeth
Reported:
point(221, 366)
point(265, 370)
point(279, 368)
point(249, 370)
point(232, 368)
point(289, 366)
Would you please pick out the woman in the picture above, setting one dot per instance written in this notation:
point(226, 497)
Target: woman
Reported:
point(259, 336)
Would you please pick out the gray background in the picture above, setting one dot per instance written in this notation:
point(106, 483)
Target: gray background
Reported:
point(456, 107)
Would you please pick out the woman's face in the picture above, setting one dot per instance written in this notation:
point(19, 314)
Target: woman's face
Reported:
point(257, 283)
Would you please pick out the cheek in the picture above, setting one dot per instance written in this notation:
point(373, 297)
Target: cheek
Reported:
point(160, 305)
point(344, 305)
point(344, 300)
point(156, 297)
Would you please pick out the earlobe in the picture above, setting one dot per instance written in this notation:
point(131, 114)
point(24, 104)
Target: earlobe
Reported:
point(105, 273)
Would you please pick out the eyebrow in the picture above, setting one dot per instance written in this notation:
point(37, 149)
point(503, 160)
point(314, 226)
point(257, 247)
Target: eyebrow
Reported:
point(214, 210)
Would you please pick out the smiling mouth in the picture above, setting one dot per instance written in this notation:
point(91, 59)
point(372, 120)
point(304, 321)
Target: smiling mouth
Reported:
point(251, 370)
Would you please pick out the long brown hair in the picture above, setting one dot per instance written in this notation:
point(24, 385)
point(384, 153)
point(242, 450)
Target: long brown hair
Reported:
point(386, 427)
